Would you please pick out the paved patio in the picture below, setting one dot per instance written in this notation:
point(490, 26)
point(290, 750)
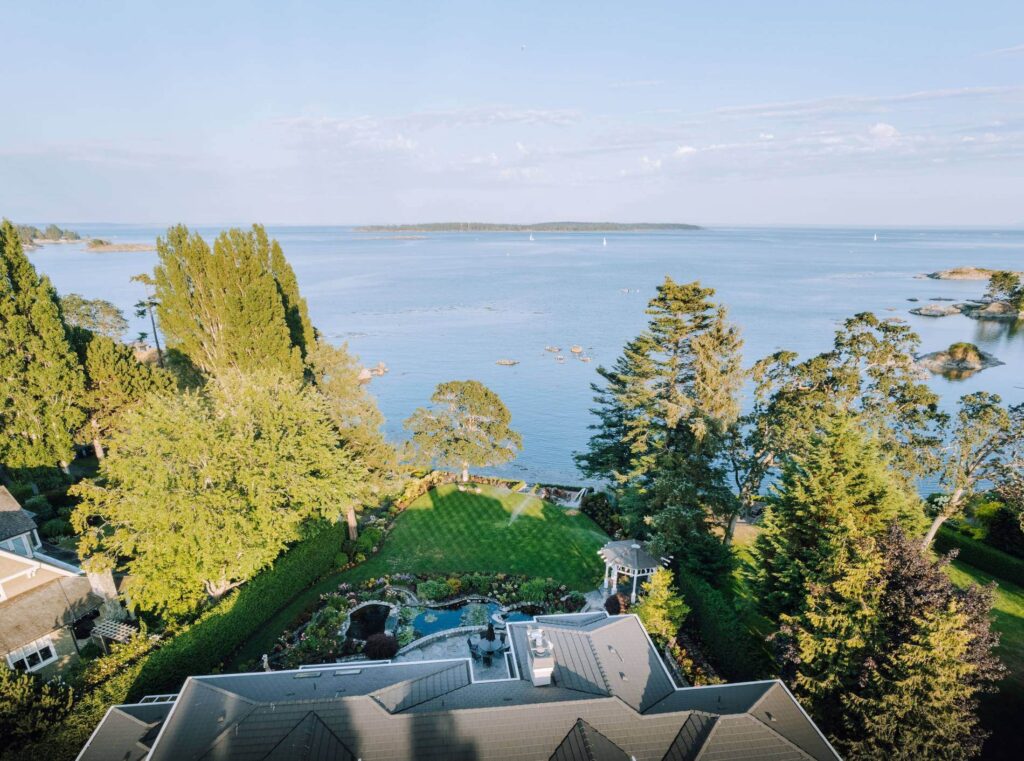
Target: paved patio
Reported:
point(457, 647)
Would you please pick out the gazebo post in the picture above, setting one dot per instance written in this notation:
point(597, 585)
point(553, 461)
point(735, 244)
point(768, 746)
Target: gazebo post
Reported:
point(615, 579)
point(632, 597)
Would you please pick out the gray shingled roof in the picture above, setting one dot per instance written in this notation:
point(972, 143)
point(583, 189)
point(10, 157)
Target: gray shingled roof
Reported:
point(39, 611)
point(613, 701)
point(628, 553)
point(14, 520)
point(584, 743)
point(130, 729)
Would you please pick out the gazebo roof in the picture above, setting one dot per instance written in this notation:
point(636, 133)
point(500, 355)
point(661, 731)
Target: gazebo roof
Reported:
point(629, 554)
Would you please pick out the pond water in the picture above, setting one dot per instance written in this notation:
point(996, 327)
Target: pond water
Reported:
point(433, 620)
point(369, 620)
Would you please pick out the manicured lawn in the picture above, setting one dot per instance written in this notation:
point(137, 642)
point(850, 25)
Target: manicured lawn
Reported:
point(448, 531)
point(1001, 712)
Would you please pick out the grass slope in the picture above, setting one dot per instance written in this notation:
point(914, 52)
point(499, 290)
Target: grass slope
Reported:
point(1001, 712)
point(448, 531)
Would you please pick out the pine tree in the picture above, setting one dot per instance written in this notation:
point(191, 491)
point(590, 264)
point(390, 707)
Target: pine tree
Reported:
point(115, 379)
point(890, 656)
point(661, 609)
point(840, 488)
point(665, 413)
point(29, 707)
point(224, 307)
point(41, 383)
point(467, 426)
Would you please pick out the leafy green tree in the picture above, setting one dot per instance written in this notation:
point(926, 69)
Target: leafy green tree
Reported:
point(41, 383)
point(29, 707)
point(466, 426)
point(661, 609)
point(1005, 286)
point(890, 656)
point(200, 491)
point(354, 412)
point(95, 315)
point(231, 307)
point(840, 489)
point(870, 373)
point(987, 445)
point(115, 380)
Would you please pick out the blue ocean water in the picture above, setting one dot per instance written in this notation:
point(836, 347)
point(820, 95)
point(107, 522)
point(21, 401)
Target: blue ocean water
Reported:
point(447, 306)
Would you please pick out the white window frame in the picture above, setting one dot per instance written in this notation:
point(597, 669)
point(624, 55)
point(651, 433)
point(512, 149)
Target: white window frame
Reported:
point(33, 648)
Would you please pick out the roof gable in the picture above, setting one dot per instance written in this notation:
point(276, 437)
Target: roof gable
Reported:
point(14, 520)
point(584, 743)
point(310, 740)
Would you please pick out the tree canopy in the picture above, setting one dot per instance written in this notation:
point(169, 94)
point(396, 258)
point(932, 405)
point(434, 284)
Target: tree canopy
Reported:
point(234, 306)
point(467, 425)
point(95, 315)
point(202, 490)
point(41, 382)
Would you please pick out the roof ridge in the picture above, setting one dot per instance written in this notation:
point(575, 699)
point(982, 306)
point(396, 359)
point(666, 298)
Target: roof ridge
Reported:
point(380, 695)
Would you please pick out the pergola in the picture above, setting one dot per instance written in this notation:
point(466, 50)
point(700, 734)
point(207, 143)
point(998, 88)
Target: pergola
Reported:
point(628, 557)
point(115, 631)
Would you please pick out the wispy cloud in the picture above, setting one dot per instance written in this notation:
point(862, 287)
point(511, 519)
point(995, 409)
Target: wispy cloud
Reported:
point(1010, 51)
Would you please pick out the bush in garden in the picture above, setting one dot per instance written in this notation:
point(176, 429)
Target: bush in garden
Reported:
point(369, 539)
point(41, 506)
point(433, 590)
point(454, 585)
point(533, 590)
point(599, 509)
point(616, 604)
point(56, 527)
point(381, 647)
point(340, 560)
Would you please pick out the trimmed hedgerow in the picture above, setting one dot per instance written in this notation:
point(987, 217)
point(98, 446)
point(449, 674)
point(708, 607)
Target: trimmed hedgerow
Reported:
point(980, 555)
point(723, 635)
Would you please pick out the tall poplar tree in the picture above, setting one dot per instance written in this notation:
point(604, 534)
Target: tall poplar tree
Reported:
point(41, 382)
point(839, 490)
point(234, 306)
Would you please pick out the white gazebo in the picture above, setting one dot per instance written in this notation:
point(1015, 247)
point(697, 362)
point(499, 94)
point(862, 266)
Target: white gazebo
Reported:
point(630, 558)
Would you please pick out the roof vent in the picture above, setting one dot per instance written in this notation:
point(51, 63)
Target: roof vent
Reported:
point(542, 656)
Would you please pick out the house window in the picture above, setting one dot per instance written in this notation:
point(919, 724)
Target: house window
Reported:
point(33, 656)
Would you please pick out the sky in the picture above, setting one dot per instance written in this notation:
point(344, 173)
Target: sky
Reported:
point(739, 113)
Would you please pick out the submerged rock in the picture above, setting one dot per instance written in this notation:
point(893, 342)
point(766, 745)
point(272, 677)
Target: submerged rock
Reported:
point(937, 310)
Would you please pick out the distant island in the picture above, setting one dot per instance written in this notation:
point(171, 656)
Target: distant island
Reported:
point(963, 273)
point(541, 227)
point(100, 246)
point(31, 236)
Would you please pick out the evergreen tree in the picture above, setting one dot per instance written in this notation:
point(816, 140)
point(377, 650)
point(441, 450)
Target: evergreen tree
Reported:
point(29, 707)
point(224, 307)
point(95, 315)
point(335, 375)
point(467, 426)
point(890, 656)
point(665, 413)
point(115, 379)
point(201, 491)
point(661, 609)
point(41, 383)
point(841, 488)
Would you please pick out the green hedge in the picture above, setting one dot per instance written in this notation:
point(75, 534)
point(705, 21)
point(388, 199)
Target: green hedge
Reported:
point(980, 555)
point(724, 636)
point(199, 649)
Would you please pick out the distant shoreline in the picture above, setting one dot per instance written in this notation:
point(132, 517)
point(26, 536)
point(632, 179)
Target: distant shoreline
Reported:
point(541, 227)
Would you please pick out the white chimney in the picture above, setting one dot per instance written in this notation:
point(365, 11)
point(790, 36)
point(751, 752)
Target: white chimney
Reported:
point(542, 656)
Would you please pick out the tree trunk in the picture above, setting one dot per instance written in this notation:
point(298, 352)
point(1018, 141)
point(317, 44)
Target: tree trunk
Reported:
point(65, 470)
point(353, 528)
point(730, 529)
point(97, 445)
point(465, 472)
point(936, 524)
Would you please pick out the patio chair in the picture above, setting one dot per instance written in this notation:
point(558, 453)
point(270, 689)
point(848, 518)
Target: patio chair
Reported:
point(473, 649)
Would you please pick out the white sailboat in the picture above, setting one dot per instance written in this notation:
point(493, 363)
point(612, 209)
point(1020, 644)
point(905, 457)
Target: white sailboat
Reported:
point(876, 237)
point(604, 241)
point(531, 236)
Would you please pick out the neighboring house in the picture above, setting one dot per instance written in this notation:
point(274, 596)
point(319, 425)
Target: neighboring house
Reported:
point(46, 605)
point(583, 687)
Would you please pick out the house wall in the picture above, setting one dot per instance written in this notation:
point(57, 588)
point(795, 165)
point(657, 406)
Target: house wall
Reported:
point(67, 654)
